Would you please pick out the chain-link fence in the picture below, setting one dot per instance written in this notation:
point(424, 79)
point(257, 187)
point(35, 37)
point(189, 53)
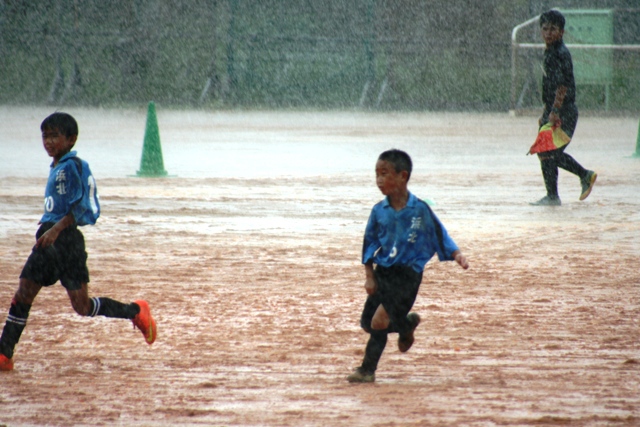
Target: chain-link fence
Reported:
point(410, 54)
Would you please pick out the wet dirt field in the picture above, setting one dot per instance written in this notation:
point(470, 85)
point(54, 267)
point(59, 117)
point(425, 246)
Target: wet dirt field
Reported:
point(249, 255)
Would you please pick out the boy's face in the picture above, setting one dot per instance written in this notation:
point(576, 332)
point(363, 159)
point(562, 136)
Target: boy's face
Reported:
point(56, 144)
point(388, 180)
point(551, 33)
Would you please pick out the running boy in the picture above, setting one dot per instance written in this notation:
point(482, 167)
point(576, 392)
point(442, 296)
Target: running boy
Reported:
point(70, 201)
point(401, 236)
point(559, 97)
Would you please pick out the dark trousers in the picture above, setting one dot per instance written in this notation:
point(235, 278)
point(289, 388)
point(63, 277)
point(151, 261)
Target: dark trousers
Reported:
point(551, 161)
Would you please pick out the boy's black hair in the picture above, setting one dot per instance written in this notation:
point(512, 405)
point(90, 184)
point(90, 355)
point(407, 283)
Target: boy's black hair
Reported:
point(62, 122)
point(553, 17)
point(400, 160)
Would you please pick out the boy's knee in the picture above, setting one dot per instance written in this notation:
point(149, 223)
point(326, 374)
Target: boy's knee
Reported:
point(80, 300)
point(379, 324)
point(82, 307)
point(380, 319)
point(365, 324)
point(82, 310)
point(27, 291)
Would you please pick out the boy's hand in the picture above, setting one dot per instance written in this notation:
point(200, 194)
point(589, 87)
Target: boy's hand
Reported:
point(461, 259)
point(48, 238)
point(370, 285)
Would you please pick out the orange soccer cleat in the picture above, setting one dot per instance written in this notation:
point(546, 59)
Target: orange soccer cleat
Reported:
point(145, 322)
point(6, 364)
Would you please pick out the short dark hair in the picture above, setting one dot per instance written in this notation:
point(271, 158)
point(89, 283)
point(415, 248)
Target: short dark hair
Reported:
point(553, 17)
point(62, 122)
point(399, 159)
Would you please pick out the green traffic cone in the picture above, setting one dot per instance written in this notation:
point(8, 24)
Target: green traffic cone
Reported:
point(151, 164)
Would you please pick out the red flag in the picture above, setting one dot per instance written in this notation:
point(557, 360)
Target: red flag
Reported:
point(549, 138)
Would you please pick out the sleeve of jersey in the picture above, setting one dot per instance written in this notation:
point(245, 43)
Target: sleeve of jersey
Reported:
point(565, 69)
point(446, 246)
point(370, 244)
point(76, 198)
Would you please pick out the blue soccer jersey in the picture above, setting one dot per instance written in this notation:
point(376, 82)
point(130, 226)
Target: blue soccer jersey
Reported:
point(408, 237)
point(71, 188)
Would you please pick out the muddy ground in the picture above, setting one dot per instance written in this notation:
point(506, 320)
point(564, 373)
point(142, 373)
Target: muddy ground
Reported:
point(249, 255)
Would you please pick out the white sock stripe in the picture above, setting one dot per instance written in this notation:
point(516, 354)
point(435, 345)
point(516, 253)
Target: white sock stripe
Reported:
point(96, 306)
point(18, 320)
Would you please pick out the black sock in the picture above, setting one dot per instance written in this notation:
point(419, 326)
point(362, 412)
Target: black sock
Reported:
point(15, 324)
point(111, 308)
point(375, 346)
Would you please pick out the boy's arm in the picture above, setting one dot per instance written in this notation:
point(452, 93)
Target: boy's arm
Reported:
point(446, 244)
point(74, 198)
point(370, 243)
point(561, 92)
point(370, 284)
point(460, 259)
point(50, 236)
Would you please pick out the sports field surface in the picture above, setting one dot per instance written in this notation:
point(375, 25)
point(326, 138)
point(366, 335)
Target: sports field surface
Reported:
point(249, 255)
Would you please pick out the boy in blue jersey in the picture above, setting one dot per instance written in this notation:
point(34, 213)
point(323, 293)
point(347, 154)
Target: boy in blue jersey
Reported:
point(401, 236)
point(71, 200)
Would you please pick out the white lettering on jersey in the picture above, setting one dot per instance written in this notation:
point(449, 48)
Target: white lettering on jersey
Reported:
point(61, 178)
point(416, 224)
point(92, 194)
point(48, 204)
point(61, 188)
point(394, 252)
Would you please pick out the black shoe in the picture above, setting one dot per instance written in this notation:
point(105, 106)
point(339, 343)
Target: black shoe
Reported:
point(587, 184)
point(405, 342)
point(359, 376)
point(547, 201)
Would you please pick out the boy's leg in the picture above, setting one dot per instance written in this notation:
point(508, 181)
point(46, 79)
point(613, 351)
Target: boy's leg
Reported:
point(376, 344)
point(100, 306)
point(18, 315)
point(380, 319)
point(138, 311)
point(587, 177)
point(75, 276)
point(406, 338)
point(373, 351)
point(365, 373)
point(549, 169)
point(550, 176)
point(568, 163)
point(406, 282)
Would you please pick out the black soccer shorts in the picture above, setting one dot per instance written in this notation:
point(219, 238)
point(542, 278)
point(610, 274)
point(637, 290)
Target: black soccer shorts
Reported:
point(65, 260)
point(397, 292)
